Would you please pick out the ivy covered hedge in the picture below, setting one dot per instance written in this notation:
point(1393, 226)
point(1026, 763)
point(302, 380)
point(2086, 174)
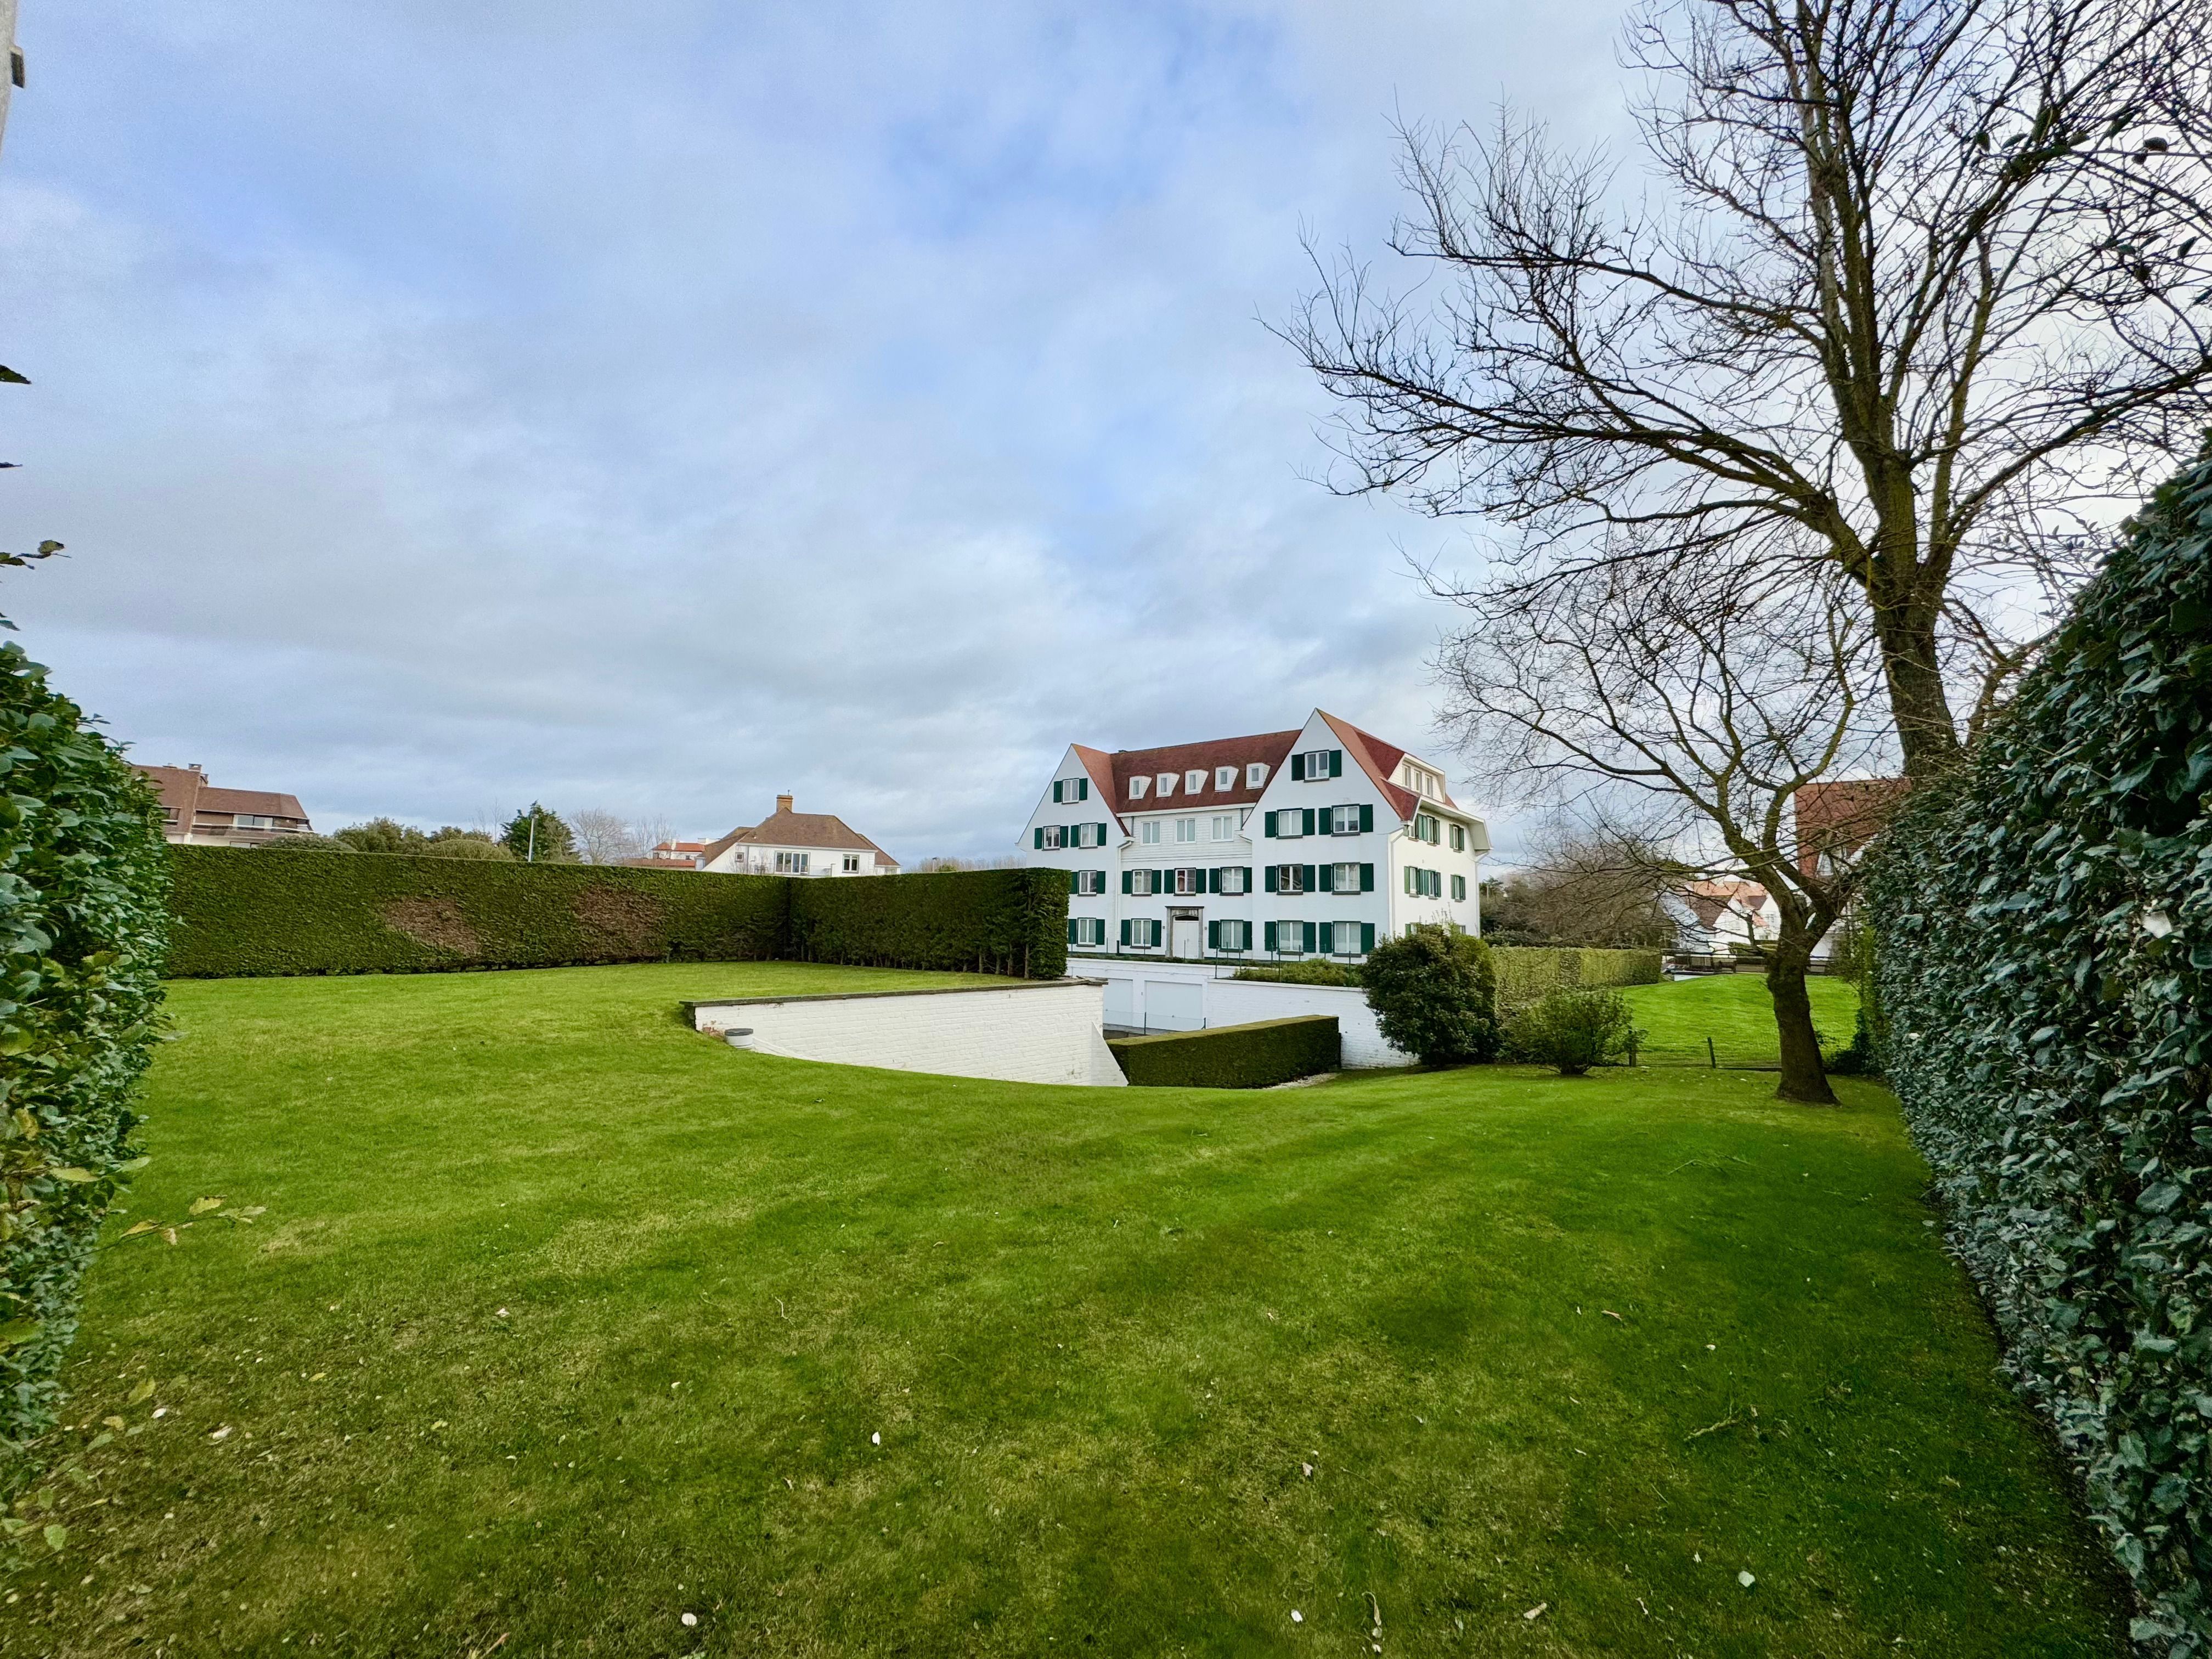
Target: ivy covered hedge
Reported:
point(83, 915)
point(1255, 1056)
point(2044, 969)
point(1525, 973)
point(244, 913)
point(1002, 921)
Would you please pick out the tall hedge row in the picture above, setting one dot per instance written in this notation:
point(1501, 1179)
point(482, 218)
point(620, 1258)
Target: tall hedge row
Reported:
point(243, 913)
point(2044, 965)
point(1006, 922)
point(83, 915)
point(1527, 972)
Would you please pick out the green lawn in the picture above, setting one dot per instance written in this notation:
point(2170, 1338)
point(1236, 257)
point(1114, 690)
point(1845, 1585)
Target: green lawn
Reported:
point(562, 1323)
point(1735, 1011)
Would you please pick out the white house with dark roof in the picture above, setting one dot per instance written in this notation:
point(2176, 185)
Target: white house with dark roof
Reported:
point(1314, 842)
point(788, 843)
point(194, 813)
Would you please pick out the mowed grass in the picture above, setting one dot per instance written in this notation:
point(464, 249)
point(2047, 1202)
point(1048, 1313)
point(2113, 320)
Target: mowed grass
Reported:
point(564, 1322)
point(1735, 1011)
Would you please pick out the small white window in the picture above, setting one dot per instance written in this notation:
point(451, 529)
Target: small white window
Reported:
point(1291, 937)
point(1343, 820)
point(1317, 765)
point(1137, 788)
point(1235, 879)
point(1224, 778)
point(1345, 937)
point(1148, 832)
point(852, 864)
point(1224, 826)
point(1186, 829)
point(1255, 774)
point(1163, 784)
point(1194, 780)
point(790, 863)
point(1290, 823)
point(1345, 878)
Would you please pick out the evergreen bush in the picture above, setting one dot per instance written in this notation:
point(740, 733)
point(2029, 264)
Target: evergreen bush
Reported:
point(1525, 973)
point(1572, 1031)
point(83, 884)
point(2045, 975)
point(1434, 994)
point(1256, 1056)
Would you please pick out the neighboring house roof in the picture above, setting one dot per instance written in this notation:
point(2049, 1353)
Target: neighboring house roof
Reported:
point(1837, 819)
point(185, 790)
point(785, 828)
point(679, 848)
point(1708, 900)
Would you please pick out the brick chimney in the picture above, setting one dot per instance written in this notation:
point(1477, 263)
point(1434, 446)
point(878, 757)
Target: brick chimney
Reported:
point(783, 803)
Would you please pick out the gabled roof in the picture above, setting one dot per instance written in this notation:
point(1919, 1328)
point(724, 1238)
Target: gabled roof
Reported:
point(1379, 760)
point(808, 830)
point(264, 801)
point(186, 790)
point(1271, 749)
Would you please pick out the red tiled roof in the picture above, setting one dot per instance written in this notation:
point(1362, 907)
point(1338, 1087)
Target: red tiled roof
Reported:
point(1270, 748)
point(1839, 817)
point(1710, 900)
point(783, 828)
point(263, 801)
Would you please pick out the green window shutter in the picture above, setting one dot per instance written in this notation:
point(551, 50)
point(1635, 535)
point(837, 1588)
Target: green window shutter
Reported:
point(1102, 835)
point(1297, 769)
point(1271, 878)
point(1125, 880)
point(1057, 786)
point(1083, 789)
point(1268, 936)
point(1366, 878)
point(1213, 881)
point(1367, 819)
point(1070, 930)
point(1214, 936)
point(1071, 882)
point(1309, 929)
point(1268, 823)
point(1309, 820)
point(1040, 838)
point(1366, 936)
point(1248, 876)
point(1328, 939)
point(1125, 933)
point(1310, 879)
point(1328, 876)
point(1336, 762)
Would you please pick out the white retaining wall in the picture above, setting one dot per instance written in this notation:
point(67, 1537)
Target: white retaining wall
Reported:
point(1172, 996)
point(1046, 1031)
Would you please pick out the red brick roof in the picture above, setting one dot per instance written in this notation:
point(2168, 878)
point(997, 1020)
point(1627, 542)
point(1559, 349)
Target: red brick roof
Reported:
point(1840, 818)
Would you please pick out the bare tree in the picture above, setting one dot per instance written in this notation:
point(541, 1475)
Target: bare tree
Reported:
point(1923, 289)
point(605, 837)
point(1584, 884)
point(1682, 710)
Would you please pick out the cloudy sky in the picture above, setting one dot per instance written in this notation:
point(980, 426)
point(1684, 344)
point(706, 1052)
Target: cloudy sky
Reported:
point(659, 406)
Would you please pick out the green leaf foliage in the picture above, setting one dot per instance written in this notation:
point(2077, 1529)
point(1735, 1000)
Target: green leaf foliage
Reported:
point(2044, 961)
point(242, 913)
point(1435, 995)
point(1572, 1030)
point(537, 837)
point(83, 891)
point(1313, 970)
point(1525, 973)
point(1255, 1056)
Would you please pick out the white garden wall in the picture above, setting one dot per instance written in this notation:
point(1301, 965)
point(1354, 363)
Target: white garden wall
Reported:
point(1046, 1031)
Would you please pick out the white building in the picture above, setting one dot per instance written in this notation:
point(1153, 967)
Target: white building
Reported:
point(789, 843)
point(1314, 842)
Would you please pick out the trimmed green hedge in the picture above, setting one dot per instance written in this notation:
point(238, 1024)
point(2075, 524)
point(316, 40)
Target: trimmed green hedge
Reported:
point(246, 913)
point(1001, 922)
point(1256, 1056)
point(2044, 961)
point(1525, 973)
point(1303, 973)
point(83, 915)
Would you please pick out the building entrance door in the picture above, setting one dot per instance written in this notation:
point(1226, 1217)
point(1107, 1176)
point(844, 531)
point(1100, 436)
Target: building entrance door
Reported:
point(1186, 934)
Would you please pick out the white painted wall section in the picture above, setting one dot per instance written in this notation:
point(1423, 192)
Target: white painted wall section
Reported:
point(1186, 997)
point(1047, 1032)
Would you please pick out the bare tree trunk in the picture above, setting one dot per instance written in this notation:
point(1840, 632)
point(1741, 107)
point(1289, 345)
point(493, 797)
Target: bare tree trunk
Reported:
point(1912, 672)
point(1804, 1077)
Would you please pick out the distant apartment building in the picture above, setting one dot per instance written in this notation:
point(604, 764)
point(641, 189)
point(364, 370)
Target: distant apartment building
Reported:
point(194, 813)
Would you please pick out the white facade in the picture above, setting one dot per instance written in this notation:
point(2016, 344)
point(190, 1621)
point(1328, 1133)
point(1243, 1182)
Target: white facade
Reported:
point(1290, 845)
point(793, 843)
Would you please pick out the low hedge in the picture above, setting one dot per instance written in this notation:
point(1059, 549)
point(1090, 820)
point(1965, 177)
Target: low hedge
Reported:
point(241, 912)
point(2044, 961)
point(994, 921)
point(1303, 973)
point(1256, 1056)
point(82, 913)
point(1526, 973)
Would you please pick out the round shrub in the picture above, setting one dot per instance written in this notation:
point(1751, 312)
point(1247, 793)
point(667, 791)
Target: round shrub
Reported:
point(1434, 994)
point(84, 924)
point(1572, 1030)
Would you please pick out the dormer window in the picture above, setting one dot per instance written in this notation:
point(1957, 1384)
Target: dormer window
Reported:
point(1255, 774)
point(1224, 778)
point(1165, 783)
point(1137, 788)
point(1194, 780)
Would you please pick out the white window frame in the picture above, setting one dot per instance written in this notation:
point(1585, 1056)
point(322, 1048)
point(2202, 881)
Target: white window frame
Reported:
point(1196, 878)
point(1255, 774)
point(1235, 872)
point(1297, 829)
point(1148, 833)
point(790, 863)
point(1164, 785)
point(1300, 878)
point(1185, 831)
point(1337, 872)
point(1194, 781)
point(1339, 931)
point(1339, 826)
point(1224, 826)
point(852, 864)
point(1297, 929)
point(1224, 778)
point(1459, 838)
point(1307, 759)
point(1137, 788)
point(1242, 934)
